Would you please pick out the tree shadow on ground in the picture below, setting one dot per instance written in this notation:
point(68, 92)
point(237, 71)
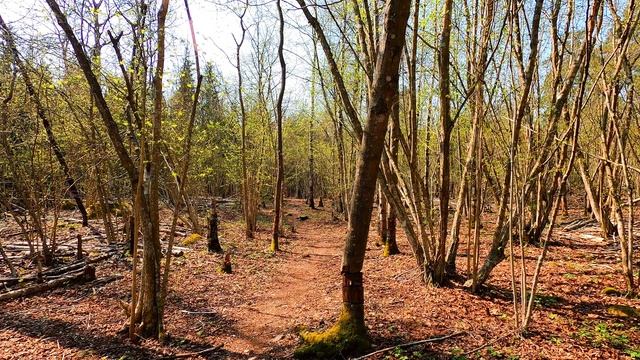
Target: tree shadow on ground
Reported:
point(491, 292)
point(419, 351)
point(71, 336)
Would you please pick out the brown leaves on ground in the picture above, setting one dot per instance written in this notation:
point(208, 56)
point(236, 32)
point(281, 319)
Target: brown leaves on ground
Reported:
point(257, 311)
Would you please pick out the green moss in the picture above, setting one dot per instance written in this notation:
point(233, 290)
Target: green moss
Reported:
point(386, 252)
point(192, 239)
point(390, 249)
point(623, 311)
point(119, 208)
point(347, 336)
point(610, 291)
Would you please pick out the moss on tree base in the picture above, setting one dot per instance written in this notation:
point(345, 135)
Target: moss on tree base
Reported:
point(390, 249)
point(347, 336)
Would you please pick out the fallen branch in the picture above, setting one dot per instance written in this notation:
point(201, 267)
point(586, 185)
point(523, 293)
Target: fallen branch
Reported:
point(488, 343)
point(577, 224)
point(87, 274)
point(413, 343)
point(635, 201)
point(187, 355)
point(106, 280)
point(199, 312)
point(56, 272)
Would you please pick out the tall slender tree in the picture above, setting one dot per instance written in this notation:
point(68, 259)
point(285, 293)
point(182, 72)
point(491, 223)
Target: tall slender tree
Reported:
point(350, 333)
point(277, 214)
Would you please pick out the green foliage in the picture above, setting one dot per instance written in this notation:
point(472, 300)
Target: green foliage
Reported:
point(546, 300)
point(610, 291)
point(633, 353)
point(458, 354)
point(601, 334)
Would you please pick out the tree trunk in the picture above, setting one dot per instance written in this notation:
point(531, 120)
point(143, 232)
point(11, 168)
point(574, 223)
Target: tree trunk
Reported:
point(390, 244)
point(350, 331)
point(148, 306)
point(310, 196)
point(277, 216)
point(382, 215)
point(437, 275)
point(477, 84)
point(213, 243)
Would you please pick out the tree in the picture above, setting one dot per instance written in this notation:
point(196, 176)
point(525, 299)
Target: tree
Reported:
point(349, 333)
point(145, 313)
point(277, 214)
point(70, 182)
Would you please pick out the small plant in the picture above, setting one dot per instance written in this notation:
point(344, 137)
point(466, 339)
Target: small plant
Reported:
point(555, 340)
point(494, 353)
point(633, 353)
point(546, 300)
point(458, 354)
point(602, 335)
point(400, 354)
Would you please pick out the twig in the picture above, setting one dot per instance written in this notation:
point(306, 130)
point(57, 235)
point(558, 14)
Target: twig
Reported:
point(411, 344)
point(199, 312)
point(187, 355)
point(488, 343)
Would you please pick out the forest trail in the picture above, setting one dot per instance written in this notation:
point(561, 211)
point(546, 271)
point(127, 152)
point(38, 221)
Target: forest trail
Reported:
point(300, 289)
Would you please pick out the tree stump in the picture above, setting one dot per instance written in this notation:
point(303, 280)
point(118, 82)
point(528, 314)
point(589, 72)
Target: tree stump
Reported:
point(226, 266)
point(213, 243)
point(79, 253)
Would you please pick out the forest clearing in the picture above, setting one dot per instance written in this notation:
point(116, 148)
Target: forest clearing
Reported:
point(350, 179)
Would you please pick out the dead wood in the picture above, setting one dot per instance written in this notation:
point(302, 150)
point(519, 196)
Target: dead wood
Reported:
point(578, 224)
point(88, 273)
point(55, 273)
point(194, 354)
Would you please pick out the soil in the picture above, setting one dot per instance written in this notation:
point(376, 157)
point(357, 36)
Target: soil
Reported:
point(257, 311)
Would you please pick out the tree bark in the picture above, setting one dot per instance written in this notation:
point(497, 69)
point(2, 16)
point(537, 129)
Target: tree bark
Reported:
point(446, 125)
point(147, 309)
point(277, 216)
point(383, 95)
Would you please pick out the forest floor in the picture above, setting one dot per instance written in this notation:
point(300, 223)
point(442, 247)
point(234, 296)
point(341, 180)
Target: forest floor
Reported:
point(259, 309)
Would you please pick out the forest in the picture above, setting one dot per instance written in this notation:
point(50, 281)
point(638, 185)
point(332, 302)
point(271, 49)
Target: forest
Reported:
point(319, 179)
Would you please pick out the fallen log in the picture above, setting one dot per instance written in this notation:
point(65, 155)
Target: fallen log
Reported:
point(19, 233)
point(56, 272)
point(104, 281)
point(577, 224)
point(72, 220)
point(87, 274)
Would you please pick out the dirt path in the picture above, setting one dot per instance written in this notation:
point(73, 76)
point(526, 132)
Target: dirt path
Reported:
point(256, 311)
point(301, 290)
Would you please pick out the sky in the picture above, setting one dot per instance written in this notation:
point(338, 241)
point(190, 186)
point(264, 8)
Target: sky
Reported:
point(215, 24)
